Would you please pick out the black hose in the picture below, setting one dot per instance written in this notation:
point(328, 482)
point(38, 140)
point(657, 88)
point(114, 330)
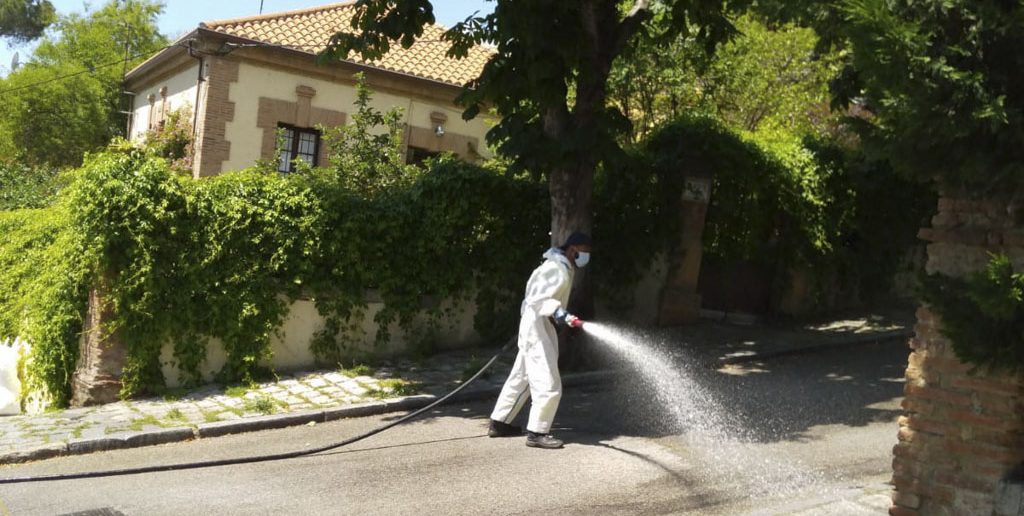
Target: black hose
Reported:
point(258, 458)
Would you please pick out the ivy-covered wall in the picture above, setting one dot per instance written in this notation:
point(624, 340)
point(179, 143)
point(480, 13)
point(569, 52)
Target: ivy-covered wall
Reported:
point(223, 258)
point(784, 214)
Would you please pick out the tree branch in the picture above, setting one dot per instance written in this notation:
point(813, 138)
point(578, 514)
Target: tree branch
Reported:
point(629, 26)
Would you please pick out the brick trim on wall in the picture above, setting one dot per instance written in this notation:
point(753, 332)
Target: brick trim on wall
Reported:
point(214, 149)
point(298, 113)
point(961, 430)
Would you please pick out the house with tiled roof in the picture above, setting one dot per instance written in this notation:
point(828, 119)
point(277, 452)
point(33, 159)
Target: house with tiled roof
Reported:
point(245, 79)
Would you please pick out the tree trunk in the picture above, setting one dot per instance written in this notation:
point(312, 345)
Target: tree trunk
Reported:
point(101, 357)
point(571, 182)
point(572, 210)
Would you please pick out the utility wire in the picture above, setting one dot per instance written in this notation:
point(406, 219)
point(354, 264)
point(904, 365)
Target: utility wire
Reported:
point(90, 69)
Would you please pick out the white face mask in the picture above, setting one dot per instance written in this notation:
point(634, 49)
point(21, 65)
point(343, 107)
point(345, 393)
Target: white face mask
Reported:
point(582, 259)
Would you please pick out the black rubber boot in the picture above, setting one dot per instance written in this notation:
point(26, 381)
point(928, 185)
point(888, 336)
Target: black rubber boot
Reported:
point(499, 429)
point(546, 441)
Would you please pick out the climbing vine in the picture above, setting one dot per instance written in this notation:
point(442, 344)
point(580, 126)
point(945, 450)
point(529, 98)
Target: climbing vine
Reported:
point(185, 261)
point(172, 139)
point(982, 314)
point(775, 201)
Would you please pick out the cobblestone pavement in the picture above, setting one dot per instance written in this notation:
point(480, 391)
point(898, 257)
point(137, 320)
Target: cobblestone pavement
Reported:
point(292, 393)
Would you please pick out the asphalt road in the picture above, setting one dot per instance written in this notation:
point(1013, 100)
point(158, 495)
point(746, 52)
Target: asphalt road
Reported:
point(810, 425)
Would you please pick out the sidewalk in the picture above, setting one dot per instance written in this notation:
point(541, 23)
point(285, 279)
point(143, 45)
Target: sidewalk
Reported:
point(307, 398)
point(874, 499)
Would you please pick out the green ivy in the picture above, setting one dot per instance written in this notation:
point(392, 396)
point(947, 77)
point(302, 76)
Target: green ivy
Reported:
point(172, 139)
point(779, 202)
point(185, 261)
point(43, 292)
point(22, 186)
point(982, 315)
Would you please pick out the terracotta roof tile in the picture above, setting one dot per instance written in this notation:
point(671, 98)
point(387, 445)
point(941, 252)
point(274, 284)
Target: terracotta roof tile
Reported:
point(309, 30)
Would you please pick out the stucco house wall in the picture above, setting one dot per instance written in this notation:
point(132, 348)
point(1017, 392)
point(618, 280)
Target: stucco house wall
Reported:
point(244, 77)
point(261, 71)
point(291, 351)
point(160, 95)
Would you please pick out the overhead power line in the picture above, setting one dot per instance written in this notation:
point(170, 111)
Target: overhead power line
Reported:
point(90, 69)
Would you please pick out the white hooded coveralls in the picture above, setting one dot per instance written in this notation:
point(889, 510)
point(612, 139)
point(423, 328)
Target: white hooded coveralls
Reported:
point(535, 371)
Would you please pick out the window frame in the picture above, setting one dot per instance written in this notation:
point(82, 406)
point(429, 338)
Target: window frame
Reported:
point(415, 155)
point(296, 132)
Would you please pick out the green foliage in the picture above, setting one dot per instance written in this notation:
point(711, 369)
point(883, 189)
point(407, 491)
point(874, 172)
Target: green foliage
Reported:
point(172, 140)
point(184, 261)
point(187, 259)
point(42, 293)
point(776, 201)
point(368, 152)
point(982, 315)
point(261, 403)
point(764, 77)
point(470, 219)
point(67, 99)
point(942, 80)
point(357, 370)
point(547, 77)
point(394, 387)
point(772, 78)
point(24, 187)
point(25, 20)
point(765, 199)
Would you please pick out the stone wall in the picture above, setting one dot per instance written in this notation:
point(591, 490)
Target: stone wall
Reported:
point(961, 432)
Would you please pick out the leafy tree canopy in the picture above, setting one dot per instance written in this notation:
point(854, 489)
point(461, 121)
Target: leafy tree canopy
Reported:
point(768, 76)
point(66, 100)
point(942, 81)
point(548, 76)
point(25, 20)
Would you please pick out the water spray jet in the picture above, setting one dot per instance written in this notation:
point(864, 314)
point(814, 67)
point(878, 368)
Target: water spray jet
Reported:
point(680, 400)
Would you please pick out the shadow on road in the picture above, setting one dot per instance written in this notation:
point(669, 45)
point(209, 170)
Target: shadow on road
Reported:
point(778, 400)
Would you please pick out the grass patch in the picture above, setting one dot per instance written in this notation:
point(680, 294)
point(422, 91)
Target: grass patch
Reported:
point(211, 416)
point(394, 388)
point(77, 431)
point(176, 415)
point(471, 367)
point(136, 424)
point(357, 370)
point(236, 391)
point(173, 394)
point(263, 404)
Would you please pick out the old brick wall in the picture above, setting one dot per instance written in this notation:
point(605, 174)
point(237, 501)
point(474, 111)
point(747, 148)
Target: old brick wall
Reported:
point(217, 110)
point(961, 432)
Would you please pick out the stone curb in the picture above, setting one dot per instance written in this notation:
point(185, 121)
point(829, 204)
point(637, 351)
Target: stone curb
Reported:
point(851, 340)
point(275, 421)
point(408, 403)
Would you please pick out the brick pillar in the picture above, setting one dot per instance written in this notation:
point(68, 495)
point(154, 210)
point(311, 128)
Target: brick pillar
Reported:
point(213, 148)
point(680, 301)
point(961, 433)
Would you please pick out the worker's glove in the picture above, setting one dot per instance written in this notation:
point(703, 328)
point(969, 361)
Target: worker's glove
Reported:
point(564, 318)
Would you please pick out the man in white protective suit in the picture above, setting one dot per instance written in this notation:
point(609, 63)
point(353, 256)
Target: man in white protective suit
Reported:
point(535, 372)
